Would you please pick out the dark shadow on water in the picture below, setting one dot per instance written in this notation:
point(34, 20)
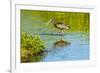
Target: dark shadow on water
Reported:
point(34, 58)
point(61, 43)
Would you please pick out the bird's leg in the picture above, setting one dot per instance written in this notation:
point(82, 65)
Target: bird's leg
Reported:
point(62, 33)
point(59, 31)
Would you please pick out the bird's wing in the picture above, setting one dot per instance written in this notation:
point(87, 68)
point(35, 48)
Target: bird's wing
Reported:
point(62, 27)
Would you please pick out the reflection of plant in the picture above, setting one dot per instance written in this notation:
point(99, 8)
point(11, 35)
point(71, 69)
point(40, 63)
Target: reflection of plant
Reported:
point(31, 47)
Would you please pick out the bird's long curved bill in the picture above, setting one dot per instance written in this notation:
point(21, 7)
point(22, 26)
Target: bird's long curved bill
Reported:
point(49, 22)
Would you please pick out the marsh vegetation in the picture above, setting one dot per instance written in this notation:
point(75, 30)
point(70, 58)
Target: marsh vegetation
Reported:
point(31, 48)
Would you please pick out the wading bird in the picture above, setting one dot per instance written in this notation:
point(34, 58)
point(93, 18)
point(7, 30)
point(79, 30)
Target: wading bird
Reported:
point(59, 25)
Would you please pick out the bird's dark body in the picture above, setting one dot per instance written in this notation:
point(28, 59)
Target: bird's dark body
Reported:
point(57, 24)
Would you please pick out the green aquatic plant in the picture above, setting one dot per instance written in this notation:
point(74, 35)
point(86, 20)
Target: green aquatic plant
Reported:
point(31, 47)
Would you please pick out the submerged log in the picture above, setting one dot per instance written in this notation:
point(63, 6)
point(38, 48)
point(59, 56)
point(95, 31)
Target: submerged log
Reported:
point(61, 43)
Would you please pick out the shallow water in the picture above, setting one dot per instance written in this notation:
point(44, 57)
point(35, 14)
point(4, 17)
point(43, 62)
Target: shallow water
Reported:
point(77, 50)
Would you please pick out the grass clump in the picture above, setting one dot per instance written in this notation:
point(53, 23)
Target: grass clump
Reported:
point(31, 48)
